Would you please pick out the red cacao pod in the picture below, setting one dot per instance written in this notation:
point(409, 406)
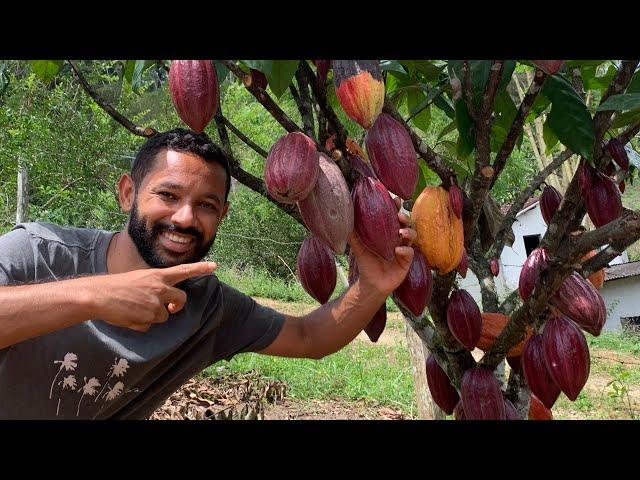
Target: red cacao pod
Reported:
point(610, 170)
point(360, 89)
point(530, 273)
point(481, 395)
point(458, 412)
point(510, 412)
point(258, 78)
point(392, 156)
point(515, 363)
point(316, 269)
point(415, 290)
point(550, 67)
point(455, 198)
point(596, 278)
point(292, 168)
point(492, 326)
point(618, 153)
point(585, 172)
point(536, 374)
point(323, 67)
point(603, 200)
point(549, 202)
point(443, 393)
point(537, 410)
point(464, 264)
point(377, 324)
point(581, 302)
point(376, 217)
point(566, 355)
point(361, 166)
point(328, 211)
point(194, 91)
point(621, 186)
point(463, 318)
point(494, 265)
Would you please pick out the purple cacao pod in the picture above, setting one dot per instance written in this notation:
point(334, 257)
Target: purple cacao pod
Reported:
point(603, 200)
point(376, 217)
point(494, 265)
point(585, 172)
point(195, 93)
point(258, 78)
point(481, 395)
point(510, 412)
point(458, 412)
point(415, 290)
point(621, 186)
point(618, 153)
point(464, 319)
point(530, 273)
point(549, 202)
point(316, 269)
point(464, 264)
point(536, 373)
point(392, 156)
point(566, 355)
point(322, 67)
point(515, 363)
point(443, 393)
point(579, 300)
point(455, 199)
point(550, 67)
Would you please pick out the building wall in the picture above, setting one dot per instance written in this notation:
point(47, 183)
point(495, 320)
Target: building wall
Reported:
point(622, 299)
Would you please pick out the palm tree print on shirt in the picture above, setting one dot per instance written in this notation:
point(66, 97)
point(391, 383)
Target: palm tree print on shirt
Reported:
point(69, 364)
point(115, 391)
point(118, 369)
point(89, 388)
point(68, 382)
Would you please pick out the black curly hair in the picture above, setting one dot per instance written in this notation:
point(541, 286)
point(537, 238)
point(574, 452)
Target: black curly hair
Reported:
point(180, 140)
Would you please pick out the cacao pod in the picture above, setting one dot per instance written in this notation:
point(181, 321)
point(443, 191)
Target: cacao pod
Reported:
point(328, 211)
point(463, 318)
point(537, 410)
point(258, 79)
point(361, 166)
point(292, 168)
point(377, 324)
point(566, 355)
point(618, 153)
point(458, 412)
point(579, 300)
point(464, 264)
point(584, 172)
point(602, 199)
point(481, 395)
point(596, 278)
point(515, 363)
point(536, 374)
point(530, 273)
point(443, 393)
point(549, 202)
point(492, 326)
point(440, 232)
point(360, 89)
point(610, 170)
point(376, 217)
point(415, 290)
point(550, 67)
point(621, 186)
point(323, 67)
point(316, 269)
point(455, 198)
point(194, 91)
point(510, 412)
point(392, 156)
point(494, 265)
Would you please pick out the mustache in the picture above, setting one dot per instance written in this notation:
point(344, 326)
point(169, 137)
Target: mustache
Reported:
point(158, 229)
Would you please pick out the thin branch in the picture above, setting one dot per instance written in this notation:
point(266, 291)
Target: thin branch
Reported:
point(629, 133)
point(260, 151)
point(113, 113)
point(513, 301)
point(265, 100)
point(576, 80)
point(481, 269)
point(222, 133)
point(624, 227)
point(604, 256)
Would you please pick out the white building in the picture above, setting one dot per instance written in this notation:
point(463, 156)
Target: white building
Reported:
point(621, 293)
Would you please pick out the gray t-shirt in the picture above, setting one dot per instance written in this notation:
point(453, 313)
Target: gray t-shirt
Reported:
point(95, 370)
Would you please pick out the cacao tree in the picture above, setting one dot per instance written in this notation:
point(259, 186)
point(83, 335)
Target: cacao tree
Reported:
point(366, 132)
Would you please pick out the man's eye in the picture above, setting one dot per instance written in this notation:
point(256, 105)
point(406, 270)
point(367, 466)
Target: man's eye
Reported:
point(210, 206)
point(167, 195)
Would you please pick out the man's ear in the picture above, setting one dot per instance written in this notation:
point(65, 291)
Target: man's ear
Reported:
point(126, 192)
point(225, 209)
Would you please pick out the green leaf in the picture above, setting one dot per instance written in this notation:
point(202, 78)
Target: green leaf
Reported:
point(422, 181)
point(626, 118)
point(221, 71)
point(430, 71)
point(391, 65)
point(278, 72)
point(448, 129)
point(505, 113)
point(540, 104)
point(444, 105)
point(46, 70)
point(416, 101)
point(129, 65)
point(480, 70)
point(550, 139)
point(466, 137)
point(634, 84)
point(624, 101)
point(569, 118)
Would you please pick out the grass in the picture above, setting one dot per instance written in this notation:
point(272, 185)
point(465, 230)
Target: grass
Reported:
point(620, 342)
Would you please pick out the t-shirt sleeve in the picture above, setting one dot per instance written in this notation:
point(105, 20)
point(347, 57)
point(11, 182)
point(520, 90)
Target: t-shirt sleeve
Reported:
point(246, 325)
point(16, 257)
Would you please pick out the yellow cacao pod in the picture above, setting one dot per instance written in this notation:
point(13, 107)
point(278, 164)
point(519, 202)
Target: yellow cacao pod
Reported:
point(440, 232)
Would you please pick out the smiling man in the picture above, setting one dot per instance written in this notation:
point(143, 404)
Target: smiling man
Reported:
point(99, 324)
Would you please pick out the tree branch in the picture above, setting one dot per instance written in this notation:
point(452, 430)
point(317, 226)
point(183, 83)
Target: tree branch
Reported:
point(305, 107)
point(481, 269)
point(629, 133)
point(256, 148)
point(604, 256)
point(113, 113)
point(626, 226)
point(468, 90)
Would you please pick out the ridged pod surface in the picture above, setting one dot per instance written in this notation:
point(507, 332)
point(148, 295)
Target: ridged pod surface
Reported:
point(464, 319)
point(455, 198)
point(316, 269)
point(579, 300)
point(444, 394)
point(376, 217)
point(292, 168)
point(492, 326)
point(596, 278)
point(601, 194)
point(360, 89)
point(618, 153)
point(415, 290)
point(195, 94)
point(440, 232)
point(328, 211)
point(550, 67)
point(481, 395)
point(392, 156)
point(530, 273)
point(566, 355)
point(377, 324)
point(536, 374)
point(537, 410)
point(549, 202)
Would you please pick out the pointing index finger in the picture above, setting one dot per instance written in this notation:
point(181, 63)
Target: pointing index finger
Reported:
point(178, 273)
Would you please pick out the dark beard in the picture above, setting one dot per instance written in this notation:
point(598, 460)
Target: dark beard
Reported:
point(146, 241)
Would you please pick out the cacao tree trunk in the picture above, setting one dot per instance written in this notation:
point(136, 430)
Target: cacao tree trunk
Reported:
point(22, 208)
point(427, 409)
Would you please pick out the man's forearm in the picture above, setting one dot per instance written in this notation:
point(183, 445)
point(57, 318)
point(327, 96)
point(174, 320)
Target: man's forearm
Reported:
point(37, 309)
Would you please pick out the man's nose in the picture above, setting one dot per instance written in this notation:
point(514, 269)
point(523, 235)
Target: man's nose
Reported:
point(184, 216)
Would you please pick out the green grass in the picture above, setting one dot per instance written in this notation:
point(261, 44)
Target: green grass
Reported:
point(377, 374)
point(619, 342)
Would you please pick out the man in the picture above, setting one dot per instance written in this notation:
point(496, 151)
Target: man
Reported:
point(99, 324)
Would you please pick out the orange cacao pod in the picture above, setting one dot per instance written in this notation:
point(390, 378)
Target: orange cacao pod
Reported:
point(492, 326)
point(596, 278)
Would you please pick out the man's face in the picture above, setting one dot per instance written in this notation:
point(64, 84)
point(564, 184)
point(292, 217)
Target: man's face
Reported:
point(177, 209)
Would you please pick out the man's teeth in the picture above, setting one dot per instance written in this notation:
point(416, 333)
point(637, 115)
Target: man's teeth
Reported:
point(177, 238)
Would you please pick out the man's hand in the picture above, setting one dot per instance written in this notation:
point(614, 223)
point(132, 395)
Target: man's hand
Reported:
point(380, 274)
point(140, 298)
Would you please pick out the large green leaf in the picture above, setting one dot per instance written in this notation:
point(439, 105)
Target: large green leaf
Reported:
point(46, 69)
point(446, 130)
point(444, 105)
point(139, 68)
point(480, 70)
point(221, 71)
point(416, 101)
point(129, 65)
point(550, 139)
point(466, 136)
point(626, 118)
point(392, 65)
point(430, 71)
point(634, 84)
point(278, 72)
point(569, 118)
point(624, 101)
point(540, 104)
point(505, 113)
